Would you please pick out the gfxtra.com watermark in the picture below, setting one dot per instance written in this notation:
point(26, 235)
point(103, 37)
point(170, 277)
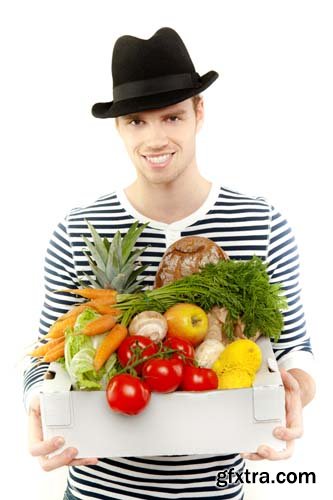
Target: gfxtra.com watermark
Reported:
point(232, 476)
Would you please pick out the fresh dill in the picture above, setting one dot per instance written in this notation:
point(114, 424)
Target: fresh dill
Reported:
point(242, 287)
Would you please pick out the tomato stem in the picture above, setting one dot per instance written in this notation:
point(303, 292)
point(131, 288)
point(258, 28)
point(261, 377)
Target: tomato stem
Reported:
point(161, 353)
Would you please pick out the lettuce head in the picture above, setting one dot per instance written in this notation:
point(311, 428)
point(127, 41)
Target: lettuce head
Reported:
point(80, 351)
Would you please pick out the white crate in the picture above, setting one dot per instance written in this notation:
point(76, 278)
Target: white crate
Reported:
point(182, 422)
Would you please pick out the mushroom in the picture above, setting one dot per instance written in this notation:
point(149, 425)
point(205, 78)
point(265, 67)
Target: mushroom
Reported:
point(150, 324)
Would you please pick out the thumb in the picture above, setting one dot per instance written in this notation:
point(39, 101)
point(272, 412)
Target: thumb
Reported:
point(290, 383)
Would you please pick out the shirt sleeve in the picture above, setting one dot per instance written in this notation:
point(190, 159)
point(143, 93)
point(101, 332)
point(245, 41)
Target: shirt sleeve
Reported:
point(59, 273)
point(293, 349)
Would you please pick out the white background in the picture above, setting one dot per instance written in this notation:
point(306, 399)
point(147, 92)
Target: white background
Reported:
point(268, 132)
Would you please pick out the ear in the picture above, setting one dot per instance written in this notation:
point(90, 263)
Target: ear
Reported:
point(200, 114)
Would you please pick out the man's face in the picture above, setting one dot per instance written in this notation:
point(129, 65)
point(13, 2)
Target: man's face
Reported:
point(161, 142)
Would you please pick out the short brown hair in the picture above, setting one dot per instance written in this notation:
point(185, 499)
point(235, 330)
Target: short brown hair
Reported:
point(195, 101)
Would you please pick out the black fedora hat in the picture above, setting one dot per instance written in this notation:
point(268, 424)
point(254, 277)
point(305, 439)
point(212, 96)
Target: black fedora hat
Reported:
point(150, 74)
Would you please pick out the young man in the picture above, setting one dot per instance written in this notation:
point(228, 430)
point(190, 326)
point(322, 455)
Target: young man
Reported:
point(159, 110)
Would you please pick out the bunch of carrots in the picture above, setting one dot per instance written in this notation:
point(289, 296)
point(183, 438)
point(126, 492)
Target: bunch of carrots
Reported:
point(101, 301)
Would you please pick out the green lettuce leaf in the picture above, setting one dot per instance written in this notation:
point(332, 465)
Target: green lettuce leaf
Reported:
point(79, 356)
point(84, 318)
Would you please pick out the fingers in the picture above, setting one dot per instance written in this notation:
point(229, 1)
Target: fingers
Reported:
point(270, 454)
point(294, 414)
point(43, 448)
point(84, 461)
point(288, 434)
point(64, 458)
point(35, 431)
point(35, 424)
point(67, 457)
point(40, 448)
point(251, 456)
point(294, 422)
point(294, 409)
point(37, 446)
point(267, 453)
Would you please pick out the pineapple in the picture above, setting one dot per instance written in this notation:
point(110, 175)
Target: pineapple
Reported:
point(114, 264)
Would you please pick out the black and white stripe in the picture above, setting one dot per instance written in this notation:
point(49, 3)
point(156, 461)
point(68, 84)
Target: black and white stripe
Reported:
point(242, 226)
point(181, 477)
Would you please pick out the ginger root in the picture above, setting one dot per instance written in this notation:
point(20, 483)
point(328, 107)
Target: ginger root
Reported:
point(216, 319)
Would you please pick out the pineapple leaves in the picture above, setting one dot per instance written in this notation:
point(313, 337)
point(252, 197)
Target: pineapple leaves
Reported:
point(107, 244)
point(119, 281)
point(100, 275)
point(99, 243)
point(135, 274)
point(94, 253)
point(135, 255)
point(93, 282)
point(130, 239)
point(114, 264)
point(135, 287)
point(126, 246)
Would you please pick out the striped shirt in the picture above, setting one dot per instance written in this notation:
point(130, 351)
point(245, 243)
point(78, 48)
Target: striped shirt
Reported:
point(243, 226)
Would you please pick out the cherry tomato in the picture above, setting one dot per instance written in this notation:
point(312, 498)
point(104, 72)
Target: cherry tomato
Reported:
point(184, 346)
point(127, 394)
point(125, 350)
point(163, 375)
point(198, 379)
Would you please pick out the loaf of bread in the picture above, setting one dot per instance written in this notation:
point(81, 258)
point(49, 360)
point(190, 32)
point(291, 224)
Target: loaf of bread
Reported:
point(186, 256)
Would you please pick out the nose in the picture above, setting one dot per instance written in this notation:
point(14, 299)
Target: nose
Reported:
point(156, 138)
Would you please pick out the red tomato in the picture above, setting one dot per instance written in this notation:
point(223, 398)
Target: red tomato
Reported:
point(198, 379)
point(178, 366)
point(125, 350)
point(163, 375)
point(127, 394)
point(184, 346)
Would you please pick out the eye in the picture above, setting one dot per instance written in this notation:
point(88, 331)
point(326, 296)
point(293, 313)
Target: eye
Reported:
point(173, 118)
point(135, 122)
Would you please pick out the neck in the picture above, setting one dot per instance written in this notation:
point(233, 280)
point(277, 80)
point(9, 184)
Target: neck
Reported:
point(169, 202)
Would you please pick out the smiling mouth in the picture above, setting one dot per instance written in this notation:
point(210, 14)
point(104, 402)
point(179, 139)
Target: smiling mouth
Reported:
point(159, 160)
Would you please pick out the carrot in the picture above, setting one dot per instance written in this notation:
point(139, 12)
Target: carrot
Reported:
point(99, 325)
point(103, 306)
point(74, 312)
point(53, 354)
point(110, 344)
point(58, 328)
point(91, 293)
point(44, 348)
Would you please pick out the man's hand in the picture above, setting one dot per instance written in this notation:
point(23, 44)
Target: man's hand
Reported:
point(294, 423)
point(39, 448)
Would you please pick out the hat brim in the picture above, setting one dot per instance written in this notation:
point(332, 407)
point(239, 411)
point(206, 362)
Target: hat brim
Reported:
point(121, 108)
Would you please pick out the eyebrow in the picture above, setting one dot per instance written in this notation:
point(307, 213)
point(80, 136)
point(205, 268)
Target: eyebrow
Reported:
point(136, 116)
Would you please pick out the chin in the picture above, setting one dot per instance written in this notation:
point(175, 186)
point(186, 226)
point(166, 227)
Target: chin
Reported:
point(163, 177)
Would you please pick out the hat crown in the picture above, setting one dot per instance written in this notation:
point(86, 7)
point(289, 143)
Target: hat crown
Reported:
point(150, 74)
point(138, 59)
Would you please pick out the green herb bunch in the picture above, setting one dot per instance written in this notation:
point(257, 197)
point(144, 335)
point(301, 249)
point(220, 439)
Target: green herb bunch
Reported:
point(242, 287)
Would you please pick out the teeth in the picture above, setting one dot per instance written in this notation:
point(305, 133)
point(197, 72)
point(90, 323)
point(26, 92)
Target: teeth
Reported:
point(158, 159)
